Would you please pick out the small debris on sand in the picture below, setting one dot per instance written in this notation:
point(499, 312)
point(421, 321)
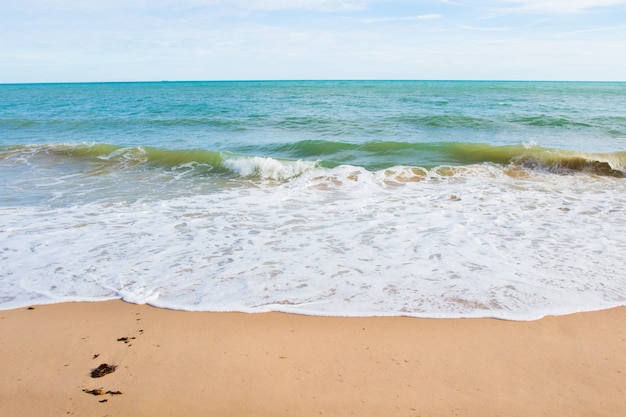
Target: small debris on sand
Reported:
point(102, 370)
point(100, 391)
point(96, 391)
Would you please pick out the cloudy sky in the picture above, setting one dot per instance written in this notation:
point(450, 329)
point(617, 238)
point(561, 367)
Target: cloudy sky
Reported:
point(132, 40)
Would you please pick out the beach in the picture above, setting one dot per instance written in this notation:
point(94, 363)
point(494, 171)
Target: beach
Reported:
point(175, 363)
point(307, 248)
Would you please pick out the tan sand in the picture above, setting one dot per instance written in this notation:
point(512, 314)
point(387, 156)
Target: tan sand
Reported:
point(229, 364)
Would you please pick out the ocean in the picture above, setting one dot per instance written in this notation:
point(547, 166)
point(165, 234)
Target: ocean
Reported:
point(344, 198)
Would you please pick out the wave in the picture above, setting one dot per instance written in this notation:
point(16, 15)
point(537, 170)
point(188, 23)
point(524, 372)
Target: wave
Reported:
point(447, 121)
point(284, 161)
point(321, 125)
point(99, 158)
point(329, 123)
point(548, 121)
point(381, 155)
point(465, 121)
point(97, 123)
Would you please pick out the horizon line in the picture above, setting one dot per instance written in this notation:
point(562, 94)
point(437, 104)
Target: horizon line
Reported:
point(165, 81)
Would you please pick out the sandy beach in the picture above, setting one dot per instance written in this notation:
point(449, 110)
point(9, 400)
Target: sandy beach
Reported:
point(173, 363)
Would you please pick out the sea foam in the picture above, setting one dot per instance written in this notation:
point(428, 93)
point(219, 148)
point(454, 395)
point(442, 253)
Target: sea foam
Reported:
point(342, 241)
point(267, 168)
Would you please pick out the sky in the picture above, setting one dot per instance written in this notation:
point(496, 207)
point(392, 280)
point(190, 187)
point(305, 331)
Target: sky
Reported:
point(154, 40)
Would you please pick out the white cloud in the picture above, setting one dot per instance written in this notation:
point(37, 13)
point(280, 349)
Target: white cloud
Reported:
point(562, 6)
point(322, 5)
point(403, 18)
point(319, 5)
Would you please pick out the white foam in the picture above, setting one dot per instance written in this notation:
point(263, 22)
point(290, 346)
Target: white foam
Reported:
point(267, 168)
point(336, 242)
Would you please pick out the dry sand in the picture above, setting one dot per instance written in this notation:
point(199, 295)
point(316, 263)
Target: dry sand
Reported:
point(171, 363)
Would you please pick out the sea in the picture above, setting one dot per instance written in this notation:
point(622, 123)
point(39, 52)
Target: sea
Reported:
point(440, 199)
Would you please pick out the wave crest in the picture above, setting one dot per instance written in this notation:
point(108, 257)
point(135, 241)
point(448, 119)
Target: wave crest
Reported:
point(285, 161)
point(563, 164)
point(267, 168)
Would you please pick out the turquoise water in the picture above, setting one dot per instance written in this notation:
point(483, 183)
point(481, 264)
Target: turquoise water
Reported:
point(424, 198)
point(229, 115)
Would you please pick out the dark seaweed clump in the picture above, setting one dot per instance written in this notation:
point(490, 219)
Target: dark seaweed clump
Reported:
point(102, 370)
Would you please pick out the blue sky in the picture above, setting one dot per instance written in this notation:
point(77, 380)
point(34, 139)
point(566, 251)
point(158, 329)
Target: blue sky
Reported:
point(143, 40)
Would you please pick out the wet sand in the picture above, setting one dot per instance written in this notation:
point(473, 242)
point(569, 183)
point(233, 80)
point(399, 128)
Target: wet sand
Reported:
point(170, 363)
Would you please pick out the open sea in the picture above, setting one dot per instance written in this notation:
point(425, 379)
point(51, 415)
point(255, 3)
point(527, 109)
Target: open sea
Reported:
point(343, 198)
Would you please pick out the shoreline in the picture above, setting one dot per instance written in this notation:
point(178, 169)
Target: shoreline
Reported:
point(171, 363)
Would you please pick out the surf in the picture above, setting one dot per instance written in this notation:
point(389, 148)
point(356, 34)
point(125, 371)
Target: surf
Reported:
point(284, 161)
